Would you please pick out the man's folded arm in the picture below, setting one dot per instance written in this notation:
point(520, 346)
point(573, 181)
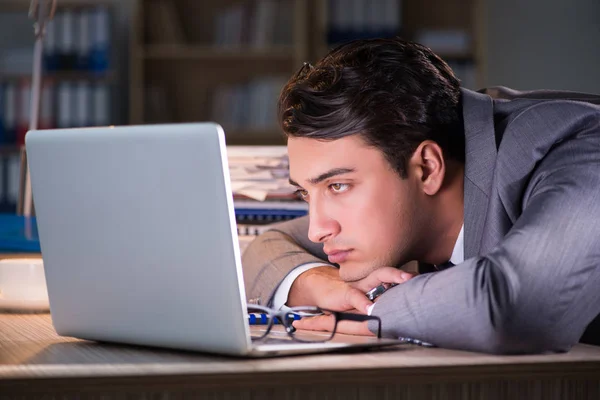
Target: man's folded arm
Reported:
point(282, 292)
point(535, 292)
point(275, 254)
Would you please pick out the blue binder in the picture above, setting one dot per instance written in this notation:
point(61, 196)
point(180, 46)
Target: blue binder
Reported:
point(18, 234)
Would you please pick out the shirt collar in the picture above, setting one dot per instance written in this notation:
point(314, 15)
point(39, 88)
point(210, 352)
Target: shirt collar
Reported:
point(458, 253)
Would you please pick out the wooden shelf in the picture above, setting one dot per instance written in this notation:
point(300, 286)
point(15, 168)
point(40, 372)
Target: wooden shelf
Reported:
point(240, 137)
point(24, 5)
point(178, 70)
point(212, 53)
point(104, 77)
point(187, 69)
point(7, 149)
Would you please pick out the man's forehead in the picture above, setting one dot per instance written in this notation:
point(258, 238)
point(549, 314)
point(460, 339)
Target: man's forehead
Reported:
point(311, 157)
point(300, 149)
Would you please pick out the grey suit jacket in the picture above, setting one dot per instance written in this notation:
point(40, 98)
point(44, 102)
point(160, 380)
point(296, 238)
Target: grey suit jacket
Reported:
point(531, 277)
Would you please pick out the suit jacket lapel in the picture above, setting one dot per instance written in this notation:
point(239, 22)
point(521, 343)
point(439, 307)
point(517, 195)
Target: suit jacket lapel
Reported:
point(480, 157)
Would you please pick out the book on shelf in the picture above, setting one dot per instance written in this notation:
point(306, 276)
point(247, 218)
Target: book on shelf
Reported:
point(360, 19)
point(10, 175)
point(251, 105)
point(257, 25)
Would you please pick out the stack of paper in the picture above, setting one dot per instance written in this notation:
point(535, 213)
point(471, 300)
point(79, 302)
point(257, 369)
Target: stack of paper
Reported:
point(261, 189)
point(260, 173)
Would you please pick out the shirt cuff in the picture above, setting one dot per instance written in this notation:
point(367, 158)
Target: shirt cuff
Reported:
point(370, 308)
point(283, 291)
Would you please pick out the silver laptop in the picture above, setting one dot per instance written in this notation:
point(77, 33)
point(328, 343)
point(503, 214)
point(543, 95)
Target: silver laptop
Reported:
point(139, 242)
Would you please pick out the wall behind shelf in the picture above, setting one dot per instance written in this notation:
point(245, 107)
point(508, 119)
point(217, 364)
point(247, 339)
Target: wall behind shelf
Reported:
point(551, 44)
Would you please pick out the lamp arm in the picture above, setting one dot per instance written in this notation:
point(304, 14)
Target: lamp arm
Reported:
point(41, 11)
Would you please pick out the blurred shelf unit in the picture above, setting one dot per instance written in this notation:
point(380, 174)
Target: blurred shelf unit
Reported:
point(449, 27)
point(224, 61)
point(227, 60)
point(78, 77)
point(77, 73)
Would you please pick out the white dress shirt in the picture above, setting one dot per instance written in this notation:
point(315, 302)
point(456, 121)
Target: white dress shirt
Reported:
point(283, 291)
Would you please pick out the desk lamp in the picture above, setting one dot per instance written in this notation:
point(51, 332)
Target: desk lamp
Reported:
point(22, 280)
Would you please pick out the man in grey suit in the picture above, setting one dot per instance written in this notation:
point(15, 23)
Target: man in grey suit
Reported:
point(398, 163)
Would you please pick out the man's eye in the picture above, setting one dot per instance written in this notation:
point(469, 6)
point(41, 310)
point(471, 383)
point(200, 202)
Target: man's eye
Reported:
point(303, 194)
point(339, 187)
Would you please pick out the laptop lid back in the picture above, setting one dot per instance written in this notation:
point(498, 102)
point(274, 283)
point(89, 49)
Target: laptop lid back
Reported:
point(138, 235)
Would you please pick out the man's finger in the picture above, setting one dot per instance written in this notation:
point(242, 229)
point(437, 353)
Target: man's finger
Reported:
point(326, 323)
point(317, 323)
point(386, 275)
point(358, 300)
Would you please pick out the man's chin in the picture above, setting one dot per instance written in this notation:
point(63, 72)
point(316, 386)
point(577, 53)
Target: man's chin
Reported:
point(353, 271)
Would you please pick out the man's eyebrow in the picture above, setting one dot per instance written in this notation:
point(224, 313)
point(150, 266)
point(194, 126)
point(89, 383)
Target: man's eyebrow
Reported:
point(325, 175)
point(329, 174)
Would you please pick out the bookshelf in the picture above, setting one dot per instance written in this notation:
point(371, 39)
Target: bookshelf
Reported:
point(451, 28)
point(191, 60)
point(209, 53)
point(223, 60)
point(82, 78)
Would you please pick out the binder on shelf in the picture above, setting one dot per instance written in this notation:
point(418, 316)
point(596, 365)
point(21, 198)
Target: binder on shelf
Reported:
point(65, 21)
point(50, 57)
point(78, 40)
point(65, 105)
point(24, 110)
point(100, 39)
point(11, 174)
point(2, 132)
point(361, 19)
point(266, 215)
point(83, 48)
point(46, 118)
point(100, 103)
point(4, 205)
point(258, 25)
point(18, 234)
point(163, 14)
point(268, 211)
point(82, 104)
point(10, 113)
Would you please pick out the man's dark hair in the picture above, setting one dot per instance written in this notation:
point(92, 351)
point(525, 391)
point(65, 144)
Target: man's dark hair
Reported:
point(393, 93)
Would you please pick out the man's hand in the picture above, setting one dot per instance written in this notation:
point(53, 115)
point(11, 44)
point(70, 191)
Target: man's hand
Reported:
point(325, 322)
point(383, 275)
point(322, 287)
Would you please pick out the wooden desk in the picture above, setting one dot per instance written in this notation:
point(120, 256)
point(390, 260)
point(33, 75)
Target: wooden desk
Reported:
point(35, 361)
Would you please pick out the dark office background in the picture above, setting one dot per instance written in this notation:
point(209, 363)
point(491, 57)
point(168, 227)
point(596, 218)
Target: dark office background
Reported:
point(225, 60)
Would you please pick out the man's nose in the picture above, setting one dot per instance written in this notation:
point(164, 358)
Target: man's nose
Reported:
point(321, 225)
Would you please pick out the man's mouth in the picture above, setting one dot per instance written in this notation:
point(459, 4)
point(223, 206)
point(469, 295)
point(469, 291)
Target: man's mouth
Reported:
point(338, 256)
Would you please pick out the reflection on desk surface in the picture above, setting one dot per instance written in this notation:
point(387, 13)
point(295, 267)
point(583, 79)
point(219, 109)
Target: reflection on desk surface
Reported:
point(34, 359)
point(31, 340)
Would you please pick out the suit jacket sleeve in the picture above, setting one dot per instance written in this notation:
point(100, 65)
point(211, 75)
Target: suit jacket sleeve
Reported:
point(272, 255)
point(537, 290)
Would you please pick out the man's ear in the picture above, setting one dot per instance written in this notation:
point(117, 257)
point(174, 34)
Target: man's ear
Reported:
point(427, 162)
